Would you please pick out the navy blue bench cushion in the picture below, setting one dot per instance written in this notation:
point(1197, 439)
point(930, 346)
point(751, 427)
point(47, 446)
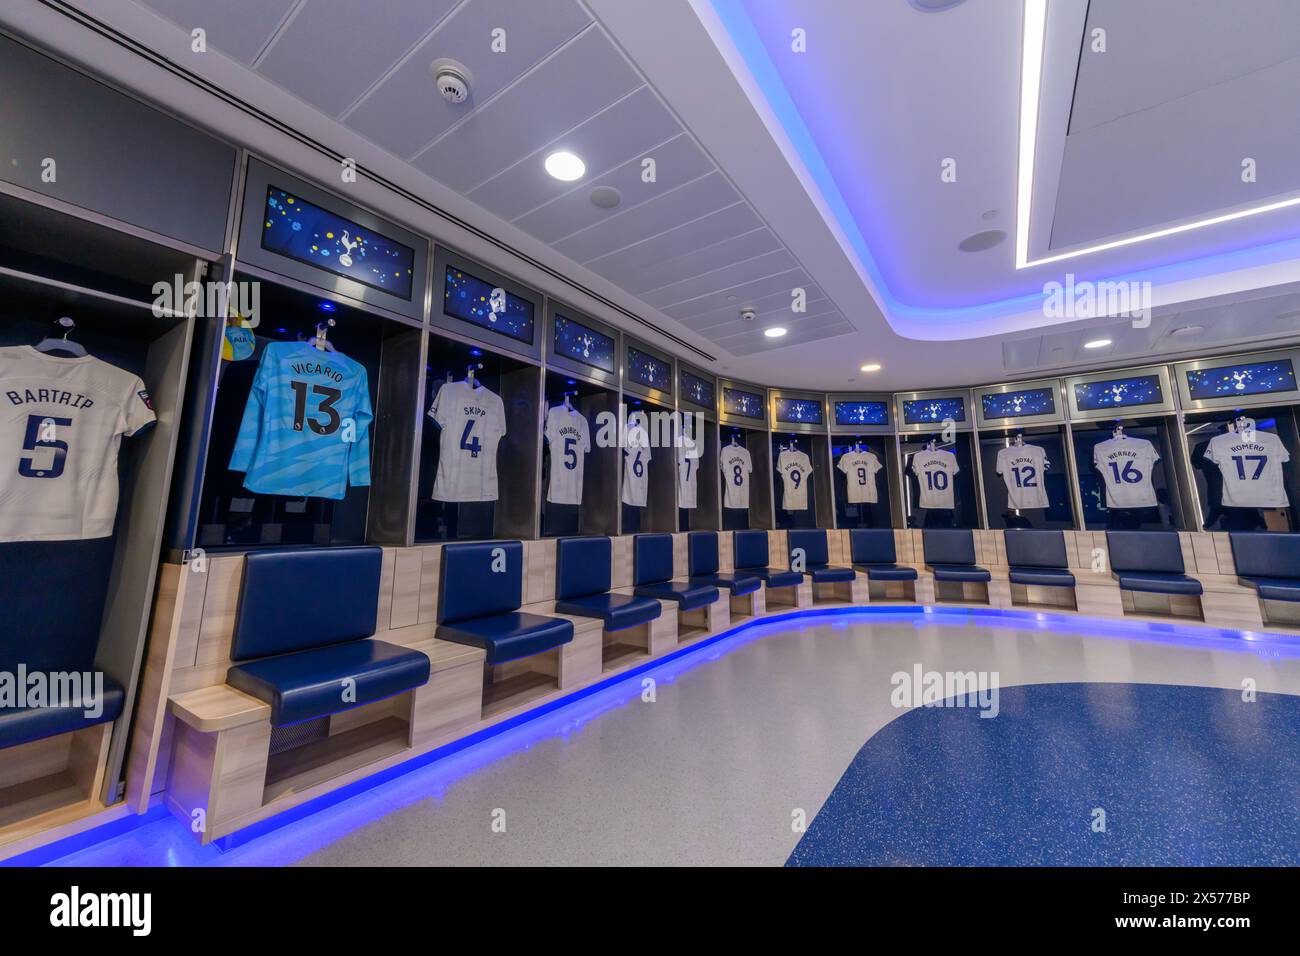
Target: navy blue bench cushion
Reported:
point(652, 558)
point(310, 684)
point(702, 553)
point(948, 546)
point(960, 572)
point(872, 546)
point(470, 587)
point(1274, 589)
point(509, 636)
point(305, 597)
point(1035, 548)
point(1159, 551)
point(776, 577)
point(887, 572)
point(582, 566)
point(738, 583)
point(689, 597)
point(813, 544)
point(1266, 554)
point(1043, 577)
point(617, 611)
point(750, 549)
point(1161, 582)
point(828, 574)
point(20, 725)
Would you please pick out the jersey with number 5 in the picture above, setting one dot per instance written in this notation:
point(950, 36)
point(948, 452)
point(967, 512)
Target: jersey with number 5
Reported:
point(736, 466)
point(569, 439)
point(473, 421)
point(61, 424)
point(306, 427)
point(1126, 465)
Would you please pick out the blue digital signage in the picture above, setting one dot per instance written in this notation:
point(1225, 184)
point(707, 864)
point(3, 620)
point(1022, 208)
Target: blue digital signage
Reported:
point(1023, 404)
point(1118, 393)
point(742, 404)
point(861, 413)
point(799, 411)
point(649, 370)
point(1256, 378)
point(582, 344)
point(925, 411)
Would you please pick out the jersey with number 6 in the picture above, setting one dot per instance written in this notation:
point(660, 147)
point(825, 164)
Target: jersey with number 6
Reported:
point(306, 426)
point(472, 420)
point(569, 440)
point(1022, 468)
point(61, 424)
point(636, 460)
point(860, 469)
point(1251, 465)
point(935, 471)
point(736, 466)
point(795, 468)
point(1126, 465)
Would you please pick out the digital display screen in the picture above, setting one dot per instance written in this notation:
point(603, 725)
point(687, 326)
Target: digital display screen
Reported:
point(491, 307)
point(742, 404)
point(803, 411)
point(1118, 393)
point(923, 411)
point(649, 370)
point(1259, 378)
point(696, 390)
point(307, 233)
point(861, 413)
point(574, 340)
point(1032, 401)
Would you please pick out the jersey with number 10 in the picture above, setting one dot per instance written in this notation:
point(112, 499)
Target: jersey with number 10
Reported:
point(306, 427)
point(473, 421)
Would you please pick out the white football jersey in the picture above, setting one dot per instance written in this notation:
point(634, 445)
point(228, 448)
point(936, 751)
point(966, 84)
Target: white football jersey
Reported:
point(860, 469)
point(636, 460)
point(472, 420)
point(62, 422)
point(1251, 465)
point(795, 469)
point(1023, 468)
point(736, 466)
point(935, 471)
point(688, 465)
point(569, 440)
point(1126, 465)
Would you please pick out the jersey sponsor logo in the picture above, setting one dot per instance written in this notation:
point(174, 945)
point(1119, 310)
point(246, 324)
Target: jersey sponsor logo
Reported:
point(144, 397)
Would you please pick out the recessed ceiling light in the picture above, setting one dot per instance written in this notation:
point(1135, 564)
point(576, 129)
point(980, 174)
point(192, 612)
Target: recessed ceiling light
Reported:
point(775, 332)
point(1097, 344)
point(933, 6)
point(872, 367)
point(606, 197)
point(1188, 330)
point(980, 241)
point(565, 166)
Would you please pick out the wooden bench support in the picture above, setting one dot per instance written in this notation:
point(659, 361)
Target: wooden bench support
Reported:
point(857, 591)
point(745, 606)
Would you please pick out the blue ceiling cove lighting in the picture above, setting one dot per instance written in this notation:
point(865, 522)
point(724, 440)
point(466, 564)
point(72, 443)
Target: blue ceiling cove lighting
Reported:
point(476, 352)
point(327, 306)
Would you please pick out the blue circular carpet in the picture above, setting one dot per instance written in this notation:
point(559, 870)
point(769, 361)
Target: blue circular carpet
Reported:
point(1180, 776)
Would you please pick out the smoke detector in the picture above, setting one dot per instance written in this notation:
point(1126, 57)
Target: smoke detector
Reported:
point(453, 80)
point(747, 314)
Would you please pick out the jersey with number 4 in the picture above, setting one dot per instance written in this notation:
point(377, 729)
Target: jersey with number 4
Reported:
point(794, 468)
point(935, 471)
point(736, 466)
point(1251, 466)
point(569, 439)
point(61, 424)
point(860, 469)
point(1022, 468)
point(473, 421)
point(1126, 465)
point(306, 426)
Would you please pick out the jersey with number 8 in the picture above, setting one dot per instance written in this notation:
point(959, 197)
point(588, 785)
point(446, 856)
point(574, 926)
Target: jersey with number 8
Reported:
point(736, 466)
point(473, 420)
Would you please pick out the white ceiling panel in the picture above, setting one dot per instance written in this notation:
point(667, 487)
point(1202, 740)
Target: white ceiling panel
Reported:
point(675, 207)
point(708, 259)
point(642, 256)
point(404, 113)
point(238, 28)
point(756, 343)
point(734, 325)
point(677, 161)
point(585, 76)
point(728, 277)
point(322, 57)
point(767, 307)
point(622, 132)
point(767, 285)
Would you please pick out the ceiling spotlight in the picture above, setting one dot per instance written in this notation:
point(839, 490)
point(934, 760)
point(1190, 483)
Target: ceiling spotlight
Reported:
point(775, 332)
point(606, 197)
point(565, 166)
point(872, 367)
point(1097, 344)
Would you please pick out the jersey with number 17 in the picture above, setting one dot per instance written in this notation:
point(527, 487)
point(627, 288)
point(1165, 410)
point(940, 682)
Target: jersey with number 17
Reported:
point(473, 421)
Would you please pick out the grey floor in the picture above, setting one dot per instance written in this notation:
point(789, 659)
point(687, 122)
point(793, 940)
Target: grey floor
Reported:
point(734, 746)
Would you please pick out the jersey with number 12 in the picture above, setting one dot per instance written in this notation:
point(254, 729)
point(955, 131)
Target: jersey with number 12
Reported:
point(472, 420)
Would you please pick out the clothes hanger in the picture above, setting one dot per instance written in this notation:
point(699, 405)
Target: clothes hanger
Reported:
point(734, 443)
point(64, 344)
point(321, 340)
point(1119, 431)
point(469, 374)
point(1018, 440)
point(568, 404)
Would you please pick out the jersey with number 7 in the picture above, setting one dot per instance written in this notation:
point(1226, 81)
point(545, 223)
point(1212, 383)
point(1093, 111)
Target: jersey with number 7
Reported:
point(472, 420)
